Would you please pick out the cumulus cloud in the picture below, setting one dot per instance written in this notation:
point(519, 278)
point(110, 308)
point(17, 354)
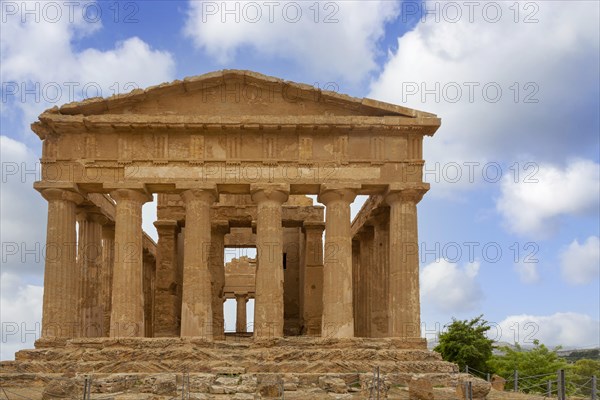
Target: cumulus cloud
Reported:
point(567, 329)
point(334, 39)
point(450, 288)
point(536, 206)
point(21, 311)
point(42, 57)
point(504, 90)
point(580, 263)
point(527, 271)
point(23, 210)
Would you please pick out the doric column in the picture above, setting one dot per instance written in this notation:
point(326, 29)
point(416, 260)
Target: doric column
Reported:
point(89, 262)
point(338, 318)
point(268, 305)
point(196, 307)
point(312, 290)
point(367, 277)
point(240, 317)
point(127, 314)
point(217, 271)
point(379, 274)
point(166, 296)
point(106, 273)
point(356, 285)
point(60, 312)
point(149, 287)
point(404, 306)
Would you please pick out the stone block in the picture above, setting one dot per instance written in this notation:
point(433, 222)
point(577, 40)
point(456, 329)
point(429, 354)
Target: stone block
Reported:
point(165, 385)
point(215, 389)
point(227, 381)
point(498, 382)
point(243, 396)
point(269, 389)
point(479, 388)
point(62, 389)
point(420, 388)
point(333, 384)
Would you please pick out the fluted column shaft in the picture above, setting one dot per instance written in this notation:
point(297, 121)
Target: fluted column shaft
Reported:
point(379, 273)
point(338, 318)
point(217, 269)
point(405, 318)
point(106, 274)
point(196, 307)
point(60, 316)
point(356, 285)
point(127, 313)
point(89, 263)
point(312, 312)
point(268, 305)
point(240, 317)
point(167, 301)
point(367, 276)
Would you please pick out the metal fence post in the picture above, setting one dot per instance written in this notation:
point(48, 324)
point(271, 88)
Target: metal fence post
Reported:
point(516, 381)
point(549, 389)
point(594, 390)
point(87, 388)
point(466, 369)
point(378, 385)
point(487, 377)
point(562, 390)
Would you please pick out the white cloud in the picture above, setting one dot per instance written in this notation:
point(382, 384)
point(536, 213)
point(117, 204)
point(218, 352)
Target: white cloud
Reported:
point(22, 210)
point(450, 288)
point(553, 60)
point(527, 271)
point(345, 46)
point(536, 207)
point(21, 314)
point(43, 56)
point(580, 263)
point(567, 329)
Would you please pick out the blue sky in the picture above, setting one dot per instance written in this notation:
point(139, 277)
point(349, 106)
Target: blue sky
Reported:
point(515, 165)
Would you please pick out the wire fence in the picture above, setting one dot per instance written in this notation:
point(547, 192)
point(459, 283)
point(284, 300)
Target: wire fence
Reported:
point(551, 384)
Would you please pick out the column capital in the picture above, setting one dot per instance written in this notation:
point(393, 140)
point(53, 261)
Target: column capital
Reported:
point(138, 195)
point(335, 192)
point(241, 296)
point(93, 214)
point(278, 192)
point(62, 194)
point(313, 226)
point(220, 226)
point(166, 226)
point(412, 195)
point(365, 232)
point(206, 194)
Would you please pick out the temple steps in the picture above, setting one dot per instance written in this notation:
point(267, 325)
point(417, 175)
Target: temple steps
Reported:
point(214, 355)
point(307, 367)
point(203, 367)
point(196, 355)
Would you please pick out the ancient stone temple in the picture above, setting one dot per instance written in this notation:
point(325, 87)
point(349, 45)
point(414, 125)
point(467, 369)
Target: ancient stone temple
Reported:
point(231, 157)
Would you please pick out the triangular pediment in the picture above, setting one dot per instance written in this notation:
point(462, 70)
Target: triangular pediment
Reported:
point(234, 93)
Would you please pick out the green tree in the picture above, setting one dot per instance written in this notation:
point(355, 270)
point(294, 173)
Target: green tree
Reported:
point(579, 376)
point(465, 343)
point(535, 367)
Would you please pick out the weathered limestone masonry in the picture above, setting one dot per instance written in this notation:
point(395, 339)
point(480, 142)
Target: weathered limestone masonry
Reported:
point(201, 144)
point(232, 156)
